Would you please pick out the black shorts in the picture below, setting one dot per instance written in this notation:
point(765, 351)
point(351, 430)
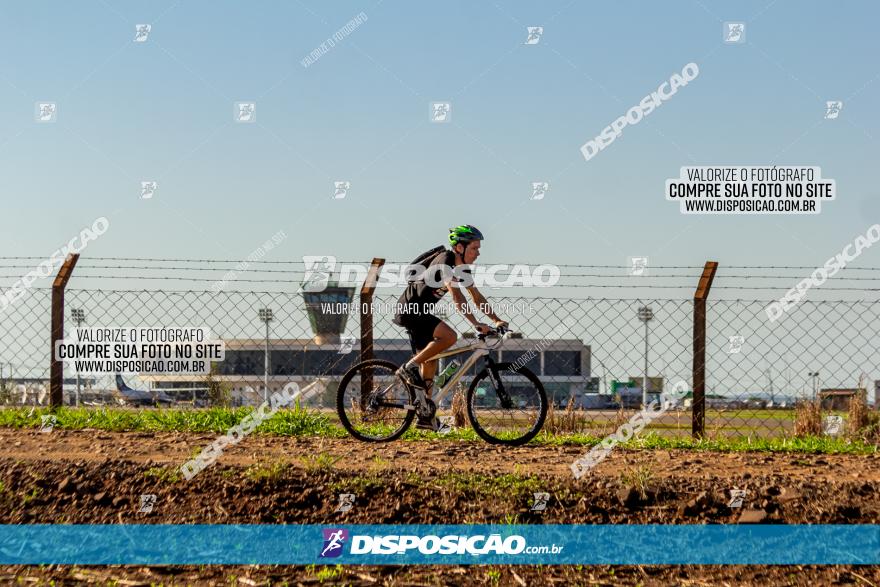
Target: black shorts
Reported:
point(420, 327)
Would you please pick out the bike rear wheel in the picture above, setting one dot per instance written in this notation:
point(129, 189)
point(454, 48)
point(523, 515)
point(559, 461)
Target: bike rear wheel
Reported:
point(373, 404)
point(506, 405)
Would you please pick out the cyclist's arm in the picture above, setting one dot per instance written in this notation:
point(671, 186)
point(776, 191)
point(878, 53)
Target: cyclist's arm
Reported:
point(483, 304)
point(461, 304)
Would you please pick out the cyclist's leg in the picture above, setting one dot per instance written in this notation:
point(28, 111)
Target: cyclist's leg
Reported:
point(443, 338)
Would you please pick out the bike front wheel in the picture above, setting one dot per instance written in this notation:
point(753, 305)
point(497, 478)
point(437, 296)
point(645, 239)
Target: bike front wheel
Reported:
point(373, 404)
point(506, 405)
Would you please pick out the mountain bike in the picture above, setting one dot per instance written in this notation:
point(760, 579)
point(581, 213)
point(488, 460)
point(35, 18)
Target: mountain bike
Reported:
point(505, 402)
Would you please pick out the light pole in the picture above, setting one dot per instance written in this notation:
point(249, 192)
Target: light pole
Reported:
point(604, 374)
point(645, 315)
point(266, 316)
point(79, 317)
point(815, 376)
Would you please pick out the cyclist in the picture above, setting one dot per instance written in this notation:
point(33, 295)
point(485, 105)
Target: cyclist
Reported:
point(430, 335)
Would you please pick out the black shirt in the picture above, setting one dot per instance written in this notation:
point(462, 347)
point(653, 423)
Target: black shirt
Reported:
point(419, 296)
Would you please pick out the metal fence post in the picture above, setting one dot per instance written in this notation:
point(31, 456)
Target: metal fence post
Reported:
point(698, 407)
point(56, 368)
point(366, 300)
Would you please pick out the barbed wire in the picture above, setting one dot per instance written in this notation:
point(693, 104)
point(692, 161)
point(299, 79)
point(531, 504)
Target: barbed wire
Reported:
point(367, 262)
point(304, 273)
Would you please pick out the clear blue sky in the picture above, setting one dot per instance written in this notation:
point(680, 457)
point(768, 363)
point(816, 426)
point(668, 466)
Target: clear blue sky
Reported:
point(162, 110)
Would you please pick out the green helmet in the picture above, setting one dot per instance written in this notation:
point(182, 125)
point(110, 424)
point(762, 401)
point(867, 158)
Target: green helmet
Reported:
point(464, 234)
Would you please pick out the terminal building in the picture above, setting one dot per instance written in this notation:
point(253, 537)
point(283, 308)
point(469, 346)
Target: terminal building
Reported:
point(562, 365)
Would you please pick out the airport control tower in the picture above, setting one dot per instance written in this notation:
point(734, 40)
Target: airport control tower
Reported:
point(328, 308)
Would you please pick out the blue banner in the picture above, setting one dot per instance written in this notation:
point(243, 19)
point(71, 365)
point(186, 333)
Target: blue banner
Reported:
point(160, 544)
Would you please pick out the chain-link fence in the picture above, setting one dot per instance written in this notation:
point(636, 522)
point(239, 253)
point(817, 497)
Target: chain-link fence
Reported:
point(590, 353)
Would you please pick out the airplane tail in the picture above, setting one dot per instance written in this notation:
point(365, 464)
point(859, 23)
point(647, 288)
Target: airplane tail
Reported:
point(120, 384)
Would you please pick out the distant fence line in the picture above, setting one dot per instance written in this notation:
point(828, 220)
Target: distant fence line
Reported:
point(745, 371)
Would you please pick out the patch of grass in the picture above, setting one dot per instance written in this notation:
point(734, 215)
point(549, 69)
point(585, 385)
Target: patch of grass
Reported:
point(466, 433)
point(328, 573)
point(459, 407)
point(297, 421)
point(29, 497)
point(808, 419)
point(565, 421)
point(808, 444)
point(300, 421)
point(270, 472)
point(164, 474)
point(639, 478)
point(508, 484)
point(319, 462)
point(359, 484)
point(510, 519)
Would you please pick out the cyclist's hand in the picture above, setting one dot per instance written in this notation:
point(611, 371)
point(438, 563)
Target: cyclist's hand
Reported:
point(483, 328)
point(501, 324)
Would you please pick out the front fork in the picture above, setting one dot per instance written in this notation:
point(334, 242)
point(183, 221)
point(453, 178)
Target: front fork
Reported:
point(497, 384)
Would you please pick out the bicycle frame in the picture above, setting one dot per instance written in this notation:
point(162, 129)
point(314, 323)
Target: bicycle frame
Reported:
point(480, 348)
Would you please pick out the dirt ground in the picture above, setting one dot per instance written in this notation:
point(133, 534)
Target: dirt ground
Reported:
point(98, 477)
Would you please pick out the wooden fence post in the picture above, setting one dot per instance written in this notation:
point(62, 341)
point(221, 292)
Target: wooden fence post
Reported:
point(698, 407)
point(56, 368)
point(366, 300)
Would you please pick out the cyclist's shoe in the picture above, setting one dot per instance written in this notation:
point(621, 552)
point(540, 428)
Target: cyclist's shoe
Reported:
point(434, 424)
point(410, 374)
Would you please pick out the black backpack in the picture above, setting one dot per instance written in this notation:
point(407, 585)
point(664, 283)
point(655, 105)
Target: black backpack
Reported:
point(425, 259)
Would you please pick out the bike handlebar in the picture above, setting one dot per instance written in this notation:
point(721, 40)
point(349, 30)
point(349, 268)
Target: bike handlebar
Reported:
point(499, 331)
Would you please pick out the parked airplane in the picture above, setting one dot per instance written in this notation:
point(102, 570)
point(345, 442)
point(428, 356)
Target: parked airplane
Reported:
point(136, 397)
